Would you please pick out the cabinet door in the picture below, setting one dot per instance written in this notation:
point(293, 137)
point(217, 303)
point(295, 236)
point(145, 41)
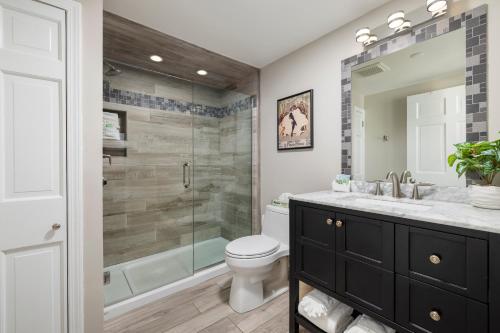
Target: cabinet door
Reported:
point(365, 239)
point(315, 226)
point(423, 308)
point(452, 262)
point(316, 264)
point(365, 284)
point(315, 236)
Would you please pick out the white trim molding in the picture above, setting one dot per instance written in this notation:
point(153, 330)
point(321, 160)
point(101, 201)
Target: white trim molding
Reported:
point(75, 277)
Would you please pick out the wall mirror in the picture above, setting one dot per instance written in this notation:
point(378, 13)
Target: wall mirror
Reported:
point(406, 102)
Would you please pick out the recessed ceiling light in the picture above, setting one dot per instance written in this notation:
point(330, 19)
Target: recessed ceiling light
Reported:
point(202, 72)
point(156, 58)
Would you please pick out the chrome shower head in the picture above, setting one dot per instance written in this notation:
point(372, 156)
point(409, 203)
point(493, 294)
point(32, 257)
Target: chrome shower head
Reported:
point(111, 70)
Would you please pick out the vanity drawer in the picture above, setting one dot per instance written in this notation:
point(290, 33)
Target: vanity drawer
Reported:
point(365, 239)
point(365, 284)
point(316, 226)
point(423, 308)
point(452, 262)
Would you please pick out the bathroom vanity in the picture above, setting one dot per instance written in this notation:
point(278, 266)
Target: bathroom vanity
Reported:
point(417, 266)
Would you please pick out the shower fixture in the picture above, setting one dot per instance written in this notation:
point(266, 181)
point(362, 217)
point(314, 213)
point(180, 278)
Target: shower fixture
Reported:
point(112, 70)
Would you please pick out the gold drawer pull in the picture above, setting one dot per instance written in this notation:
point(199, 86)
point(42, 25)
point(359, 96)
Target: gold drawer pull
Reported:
point(435, 259)
point(435, 315)
point(339, 223)
point(329, 221)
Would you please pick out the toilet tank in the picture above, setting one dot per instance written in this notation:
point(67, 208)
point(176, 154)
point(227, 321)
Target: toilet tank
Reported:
point(275, 223)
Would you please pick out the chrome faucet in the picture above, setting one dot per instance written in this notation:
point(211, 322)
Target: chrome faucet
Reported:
point(405, 176)
point(396, 189)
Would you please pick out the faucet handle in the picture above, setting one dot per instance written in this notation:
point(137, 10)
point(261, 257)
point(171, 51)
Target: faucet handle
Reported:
point(415, 195)
point(378, 188)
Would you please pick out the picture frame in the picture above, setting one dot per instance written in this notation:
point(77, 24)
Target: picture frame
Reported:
point(295, 127)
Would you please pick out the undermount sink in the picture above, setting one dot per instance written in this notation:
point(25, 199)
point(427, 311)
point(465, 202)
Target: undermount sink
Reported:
point(394, 204)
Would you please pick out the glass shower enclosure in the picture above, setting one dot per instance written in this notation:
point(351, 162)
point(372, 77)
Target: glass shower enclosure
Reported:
point(177, 178)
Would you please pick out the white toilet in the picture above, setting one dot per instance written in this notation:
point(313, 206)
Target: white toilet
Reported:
point(260, 262)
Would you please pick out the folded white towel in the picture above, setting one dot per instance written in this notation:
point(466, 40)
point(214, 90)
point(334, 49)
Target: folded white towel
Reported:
point(365, 324)
point(110, 126)
point(335, 322)
point(317, 304)
point(285, 197)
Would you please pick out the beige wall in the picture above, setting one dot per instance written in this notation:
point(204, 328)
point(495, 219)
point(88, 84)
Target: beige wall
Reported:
point(92, 150)
point(317, 66)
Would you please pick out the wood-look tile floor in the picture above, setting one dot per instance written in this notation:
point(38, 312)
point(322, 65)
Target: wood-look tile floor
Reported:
point(205, 309)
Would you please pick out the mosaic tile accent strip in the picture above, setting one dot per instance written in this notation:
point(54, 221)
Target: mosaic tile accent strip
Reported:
point(475, 23)
point(138, 99)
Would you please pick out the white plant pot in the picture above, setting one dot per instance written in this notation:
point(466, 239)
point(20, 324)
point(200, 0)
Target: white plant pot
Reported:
point(485, 196)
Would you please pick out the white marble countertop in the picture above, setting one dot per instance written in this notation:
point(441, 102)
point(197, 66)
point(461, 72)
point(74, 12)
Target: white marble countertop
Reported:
point(439, 212)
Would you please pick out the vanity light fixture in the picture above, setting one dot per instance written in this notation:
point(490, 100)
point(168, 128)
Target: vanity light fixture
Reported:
point(437, 7)
point(405, 26)
point(372, 39)
point(396, 20)
point(202, 72)
point(363, 35)
point(156, 58)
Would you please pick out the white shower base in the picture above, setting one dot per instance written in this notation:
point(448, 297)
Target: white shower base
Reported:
point(144, 280)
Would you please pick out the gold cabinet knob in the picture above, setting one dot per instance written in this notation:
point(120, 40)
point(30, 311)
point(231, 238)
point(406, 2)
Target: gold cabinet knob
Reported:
point(339, 223)
point(329, 221)
point(435, 259)
point(435, 315)
point(56, 226)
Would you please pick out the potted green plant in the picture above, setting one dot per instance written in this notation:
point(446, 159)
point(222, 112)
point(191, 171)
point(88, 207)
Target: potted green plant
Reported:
point(483, 159)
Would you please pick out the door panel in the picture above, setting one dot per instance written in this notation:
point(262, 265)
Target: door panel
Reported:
point(316, 264)
point(33, 159)
point(358, 143)
point(455, 314)
point(33, 133)
point(316, 225)
point(366, 239)
point(34, 281)
point(36, 31)
point(435, 121)
point(366, 285)
point(451, 262)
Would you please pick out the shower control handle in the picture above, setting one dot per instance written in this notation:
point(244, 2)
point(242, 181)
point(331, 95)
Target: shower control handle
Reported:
point(186, 168)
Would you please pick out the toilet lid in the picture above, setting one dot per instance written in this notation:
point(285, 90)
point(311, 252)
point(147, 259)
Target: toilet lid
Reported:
point(252, 246)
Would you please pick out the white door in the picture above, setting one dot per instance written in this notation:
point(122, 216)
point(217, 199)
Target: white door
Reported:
point(358, 144)
point(32, 168)
point(435, 121)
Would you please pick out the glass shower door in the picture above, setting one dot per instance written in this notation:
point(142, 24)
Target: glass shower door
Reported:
point(148, 196)
point(222, 156)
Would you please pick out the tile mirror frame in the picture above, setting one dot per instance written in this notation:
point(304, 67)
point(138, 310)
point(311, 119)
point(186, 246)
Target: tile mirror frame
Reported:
point(475, 23)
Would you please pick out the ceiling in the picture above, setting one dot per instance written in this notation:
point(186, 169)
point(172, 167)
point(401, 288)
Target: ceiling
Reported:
point(435, 58)
point(255, 32)
point(127, 42)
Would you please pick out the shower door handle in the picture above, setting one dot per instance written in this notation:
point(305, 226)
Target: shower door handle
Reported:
point(186, 166)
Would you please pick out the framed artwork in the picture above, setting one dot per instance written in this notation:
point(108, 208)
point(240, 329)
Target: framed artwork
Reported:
point(295, 121)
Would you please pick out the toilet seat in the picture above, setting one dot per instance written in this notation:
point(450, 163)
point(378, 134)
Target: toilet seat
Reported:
point(252, 247)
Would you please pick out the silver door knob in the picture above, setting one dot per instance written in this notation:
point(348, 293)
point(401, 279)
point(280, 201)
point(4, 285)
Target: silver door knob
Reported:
point(56, 226)
point(329, 221)
point(339, 223)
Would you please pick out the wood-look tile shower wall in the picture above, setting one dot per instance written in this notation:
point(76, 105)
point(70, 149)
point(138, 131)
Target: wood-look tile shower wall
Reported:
point(147, 210)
